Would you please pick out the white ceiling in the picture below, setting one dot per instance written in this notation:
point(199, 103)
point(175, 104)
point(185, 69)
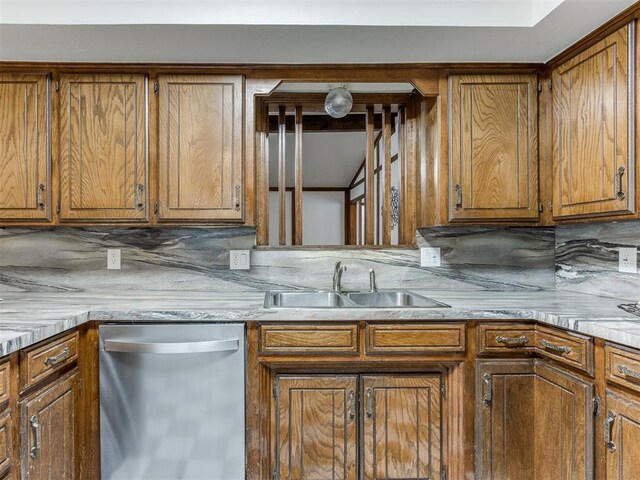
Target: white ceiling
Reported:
point(330, 159)
point(296, 31)
point(470, 13)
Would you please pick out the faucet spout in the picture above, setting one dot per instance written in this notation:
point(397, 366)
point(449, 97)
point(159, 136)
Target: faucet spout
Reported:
point(337, 276)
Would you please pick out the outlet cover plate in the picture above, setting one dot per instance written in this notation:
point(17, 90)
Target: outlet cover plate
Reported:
point(430, 257)
point(628, 260)
point(239, 259)
point(113, 259)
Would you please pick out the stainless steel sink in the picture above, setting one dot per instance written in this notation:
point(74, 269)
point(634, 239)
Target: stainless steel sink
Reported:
point(316, 299)
point(295, 299)
point(393, 299)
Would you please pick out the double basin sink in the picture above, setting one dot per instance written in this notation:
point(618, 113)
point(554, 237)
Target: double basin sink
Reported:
point(326, 299)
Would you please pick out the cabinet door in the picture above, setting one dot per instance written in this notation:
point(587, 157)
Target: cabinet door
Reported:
point(402, 435)
point(24, 147)
point(200, 148)
point(564, 425)
point(534, 421)
point(594, 168)
point(49, 431)
point(505, 428)
point(103, 158)
point(622, 436)
point(316, 428)
point(494, 147)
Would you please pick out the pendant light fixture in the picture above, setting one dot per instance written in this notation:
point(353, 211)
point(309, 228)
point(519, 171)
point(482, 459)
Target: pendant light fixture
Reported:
point(338, 102)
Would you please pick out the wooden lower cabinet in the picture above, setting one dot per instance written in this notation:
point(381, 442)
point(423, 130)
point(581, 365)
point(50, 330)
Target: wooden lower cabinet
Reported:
point(534, 421)
point(317, 433)
point(48, 430)
point(402, 427)
point(316, 427)
point(622, 436)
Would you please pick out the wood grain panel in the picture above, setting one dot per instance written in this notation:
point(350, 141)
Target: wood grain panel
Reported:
point(103, 144)
point(568, 348)
point(416, 338)
point(402, 436)
point(494, 147)
point(593, 120)
point(506, 338)
point(5, 381)
point(505, 420)
point(309, 339)
point(41, 361)
point(200, 147)
point(25, 161)
point(6, 439)
point(317, 428)
point(622, 366)
point(564, 425)
point(624, 443)
point(50, 415)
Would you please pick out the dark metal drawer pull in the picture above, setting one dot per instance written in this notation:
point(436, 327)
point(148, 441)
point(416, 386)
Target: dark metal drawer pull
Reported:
point(522, 340)
point(608, 431)
point(49, 361)
point(488, 390)
point(624, 370)
point(561, 349)
point(35, 430)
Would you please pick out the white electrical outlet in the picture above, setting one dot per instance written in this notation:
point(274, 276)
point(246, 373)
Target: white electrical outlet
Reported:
point(239, 259)
point(430, 257)
point(113, 259)
point(628, 260)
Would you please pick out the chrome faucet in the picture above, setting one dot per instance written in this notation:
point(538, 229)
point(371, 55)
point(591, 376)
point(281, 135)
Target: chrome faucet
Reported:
point(337, 276)
point(372, 281)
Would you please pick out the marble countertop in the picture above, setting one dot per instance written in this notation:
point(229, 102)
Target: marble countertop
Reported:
point(27, 318)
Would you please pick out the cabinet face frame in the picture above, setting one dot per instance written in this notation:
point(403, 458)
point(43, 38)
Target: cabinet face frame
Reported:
point(471, 152)
point(36, 122)
point(621, 48)
point(172, 128)
point(134, 206)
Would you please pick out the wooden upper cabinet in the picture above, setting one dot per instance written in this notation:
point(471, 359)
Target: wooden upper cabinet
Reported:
point(200, 148)
point(622, 436)
point(594, 164)
point(24, 148)
point(493, 147)
point(103, 148)
point(402, 435)
point(316, 427)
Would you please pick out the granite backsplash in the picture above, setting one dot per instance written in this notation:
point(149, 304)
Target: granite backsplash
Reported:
point(197, 259)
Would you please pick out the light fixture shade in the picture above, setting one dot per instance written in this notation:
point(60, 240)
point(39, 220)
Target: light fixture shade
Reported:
point(338, 102)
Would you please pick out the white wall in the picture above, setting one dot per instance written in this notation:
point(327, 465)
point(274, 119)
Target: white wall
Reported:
point(322, 218)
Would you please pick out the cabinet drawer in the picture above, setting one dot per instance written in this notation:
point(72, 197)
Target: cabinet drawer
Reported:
point(415, 338)
point(5, 442)
point(568, 348)
point(309, 339)
point(5, 381)
point(506, 338)
point(41, 361)
point(622, 366)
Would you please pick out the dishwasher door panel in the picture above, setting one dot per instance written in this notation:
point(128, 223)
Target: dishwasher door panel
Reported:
point(172, 415)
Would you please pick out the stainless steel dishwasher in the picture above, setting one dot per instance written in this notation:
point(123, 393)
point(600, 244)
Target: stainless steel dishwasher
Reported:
point(172, 402)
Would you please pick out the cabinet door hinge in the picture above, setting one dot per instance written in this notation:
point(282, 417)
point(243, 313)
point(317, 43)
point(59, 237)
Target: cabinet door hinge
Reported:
point(550, 84)
point(443, 473)
point(551, 206)
point(276, 388)
point(274, 474)
point(539, 87)
point(155, 87)
point(443, 390)
point(540, 208)
point(155, 207)
point(58, 207)
point(596, 405)
point(57, 86)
